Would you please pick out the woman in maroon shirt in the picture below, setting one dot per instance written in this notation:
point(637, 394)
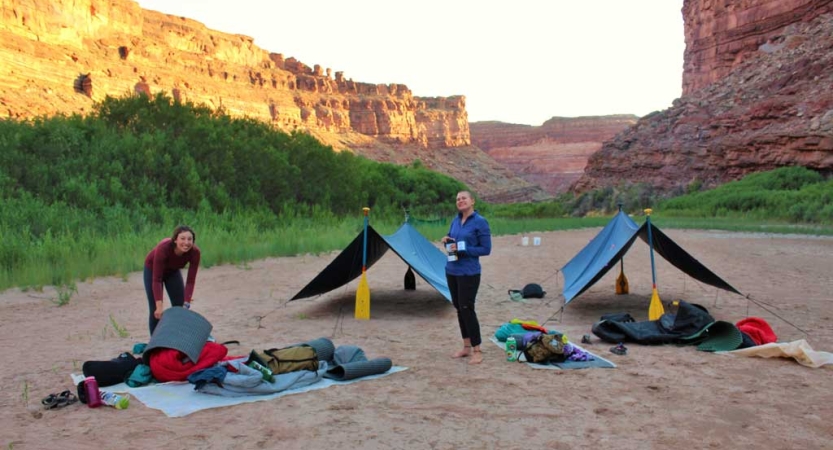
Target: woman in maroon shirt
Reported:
point(162, 266)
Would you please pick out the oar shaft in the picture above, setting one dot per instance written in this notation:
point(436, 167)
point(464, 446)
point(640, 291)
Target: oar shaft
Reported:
point(364, 241)
point(651, 246)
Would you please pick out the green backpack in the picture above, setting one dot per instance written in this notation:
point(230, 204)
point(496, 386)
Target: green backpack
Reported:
point(285, 360)
point(544, 348)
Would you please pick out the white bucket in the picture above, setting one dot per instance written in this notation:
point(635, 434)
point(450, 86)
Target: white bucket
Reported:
point(536, 240)
point(524, 241)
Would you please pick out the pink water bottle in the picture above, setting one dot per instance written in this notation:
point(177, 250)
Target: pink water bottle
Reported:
point(93, 394)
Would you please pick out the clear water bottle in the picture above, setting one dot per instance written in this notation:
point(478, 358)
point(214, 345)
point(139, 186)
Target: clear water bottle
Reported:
point(511, 349)
point(115, 400)
point(93, 394)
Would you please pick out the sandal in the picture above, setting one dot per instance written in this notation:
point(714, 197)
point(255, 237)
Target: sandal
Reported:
point(55, 401)
point(619, 349)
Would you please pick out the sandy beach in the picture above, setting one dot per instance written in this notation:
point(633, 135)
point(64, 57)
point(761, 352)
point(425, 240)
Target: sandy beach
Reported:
point(658, 397)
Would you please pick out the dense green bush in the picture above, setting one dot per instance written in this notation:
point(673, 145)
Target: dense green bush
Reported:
point(135, 167)
point(791, 194)
point(141, 154)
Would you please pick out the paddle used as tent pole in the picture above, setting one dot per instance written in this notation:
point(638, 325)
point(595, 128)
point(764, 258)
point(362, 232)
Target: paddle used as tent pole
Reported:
point(363, 291)
point(622, 286)
point(622, 281)
point(655, 309)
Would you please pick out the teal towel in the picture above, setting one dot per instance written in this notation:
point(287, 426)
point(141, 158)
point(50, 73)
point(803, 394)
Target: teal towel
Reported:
point(140, 376)
point(508, 329)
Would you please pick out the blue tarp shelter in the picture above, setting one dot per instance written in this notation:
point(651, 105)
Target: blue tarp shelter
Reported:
point(611, 244)
point(419, 253)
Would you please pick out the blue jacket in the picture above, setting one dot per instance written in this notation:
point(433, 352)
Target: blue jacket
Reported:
point(475, 232)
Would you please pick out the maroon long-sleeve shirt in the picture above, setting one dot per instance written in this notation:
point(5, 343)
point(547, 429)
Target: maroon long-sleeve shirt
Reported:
point(162, 260)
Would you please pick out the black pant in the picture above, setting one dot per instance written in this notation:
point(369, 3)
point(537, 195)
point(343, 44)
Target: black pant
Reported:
point(176, 292)
point(463, 290)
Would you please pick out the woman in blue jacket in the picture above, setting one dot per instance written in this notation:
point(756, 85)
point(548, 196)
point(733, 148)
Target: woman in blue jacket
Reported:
point(470, 238)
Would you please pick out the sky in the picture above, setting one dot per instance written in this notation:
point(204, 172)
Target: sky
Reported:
point(523, 63)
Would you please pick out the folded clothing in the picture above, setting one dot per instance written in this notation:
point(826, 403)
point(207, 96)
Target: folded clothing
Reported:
point(758, 329)
point(509, 329)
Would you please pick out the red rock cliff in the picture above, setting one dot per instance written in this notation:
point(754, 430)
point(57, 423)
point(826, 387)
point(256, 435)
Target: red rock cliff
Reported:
point(121, 48)
point(772, 108)
point(60, 56)
point(552, 155)
point(721, 34)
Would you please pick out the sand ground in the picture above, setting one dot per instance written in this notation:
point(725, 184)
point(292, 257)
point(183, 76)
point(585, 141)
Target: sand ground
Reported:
point(657, 398)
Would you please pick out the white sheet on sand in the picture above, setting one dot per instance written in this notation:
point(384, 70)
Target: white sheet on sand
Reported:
point(598, 362)
point(799, 350)
point(178, 399)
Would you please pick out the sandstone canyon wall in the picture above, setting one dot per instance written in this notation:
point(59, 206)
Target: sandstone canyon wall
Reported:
point(758, 97)
point(721, 34)
point(60, 56)
point(552, 155)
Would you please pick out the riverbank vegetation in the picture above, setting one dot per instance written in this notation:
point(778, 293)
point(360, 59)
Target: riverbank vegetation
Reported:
point(88, 196)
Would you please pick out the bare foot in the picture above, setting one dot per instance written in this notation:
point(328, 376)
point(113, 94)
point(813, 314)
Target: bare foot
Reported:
point(476, 357)
point(466, 351)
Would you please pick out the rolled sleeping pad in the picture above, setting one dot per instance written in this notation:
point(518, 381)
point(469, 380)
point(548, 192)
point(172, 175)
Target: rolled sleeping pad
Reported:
point(358, 369)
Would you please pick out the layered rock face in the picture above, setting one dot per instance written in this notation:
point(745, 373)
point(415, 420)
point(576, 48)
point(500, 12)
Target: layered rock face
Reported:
point(721, 34)
point(60, 56)
point(120, 48)
point(552, 155)
point(774, 109)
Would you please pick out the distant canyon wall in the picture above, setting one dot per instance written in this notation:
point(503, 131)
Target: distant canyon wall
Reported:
point(756, 97)
point(50, 47)
point(552, 155)
point(60, 56)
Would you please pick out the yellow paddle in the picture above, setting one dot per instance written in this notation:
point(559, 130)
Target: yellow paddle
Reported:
point(622, 286)
point(655, 309)
point(363, 291)
point(622, 281)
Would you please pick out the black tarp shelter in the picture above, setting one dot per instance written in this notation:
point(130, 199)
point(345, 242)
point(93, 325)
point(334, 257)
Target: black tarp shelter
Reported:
point(420, 254)
point(610, 245)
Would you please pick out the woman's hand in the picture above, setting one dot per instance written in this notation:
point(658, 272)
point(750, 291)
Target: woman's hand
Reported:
point(446, 240)
point(158, 313)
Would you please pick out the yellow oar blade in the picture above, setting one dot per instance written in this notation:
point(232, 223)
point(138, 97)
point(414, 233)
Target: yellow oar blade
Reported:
point(622, 284)
point(363, 299)
point(655, 310)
